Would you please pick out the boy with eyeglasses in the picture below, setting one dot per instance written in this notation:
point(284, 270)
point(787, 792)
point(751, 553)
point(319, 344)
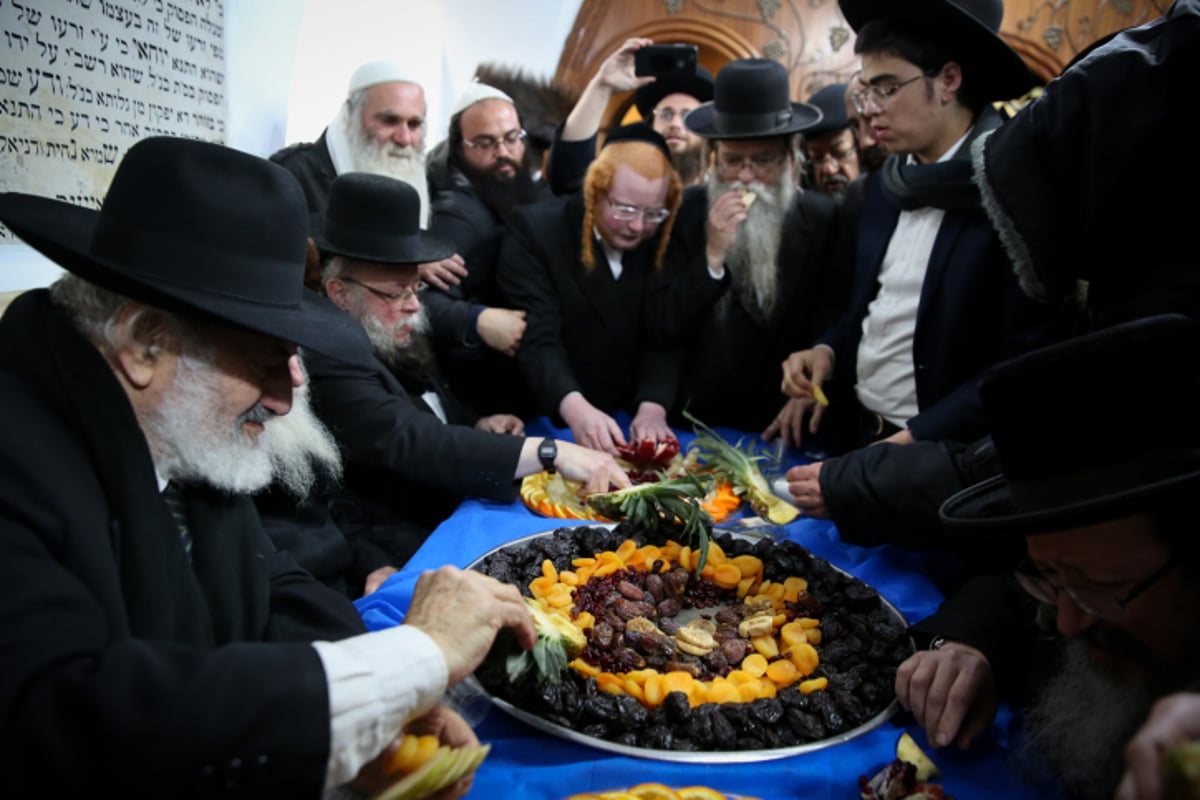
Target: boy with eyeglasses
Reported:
point(935, 301)
point(580, 266)
point(1096, 634)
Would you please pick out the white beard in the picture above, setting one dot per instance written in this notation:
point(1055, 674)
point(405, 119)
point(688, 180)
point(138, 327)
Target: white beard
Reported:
point(753, 260)
point(402, 163)
point(416, 351)
point(191, 444)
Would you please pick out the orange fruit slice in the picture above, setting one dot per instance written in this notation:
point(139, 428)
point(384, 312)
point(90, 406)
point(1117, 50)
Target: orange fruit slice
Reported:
point(653, 791)
point(699, 793)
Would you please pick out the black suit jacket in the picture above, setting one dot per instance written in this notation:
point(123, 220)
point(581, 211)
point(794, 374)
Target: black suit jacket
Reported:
point(734, 353)
point(313, 167)
point(405, 471)
point(585, 331)
point(971, 315)
point(148, 674)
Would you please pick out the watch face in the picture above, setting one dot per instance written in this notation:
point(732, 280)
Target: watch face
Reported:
point(547, 452)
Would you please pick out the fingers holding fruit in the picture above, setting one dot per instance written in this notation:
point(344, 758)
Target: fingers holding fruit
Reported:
point(724, 217)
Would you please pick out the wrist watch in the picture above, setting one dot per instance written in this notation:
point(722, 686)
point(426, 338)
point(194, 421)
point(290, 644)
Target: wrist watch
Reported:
point(547, 452)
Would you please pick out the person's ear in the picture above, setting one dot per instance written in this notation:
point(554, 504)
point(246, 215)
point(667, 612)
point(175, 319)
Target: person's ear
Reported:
point(145, 338)
point(949, 81)
point(335, 290)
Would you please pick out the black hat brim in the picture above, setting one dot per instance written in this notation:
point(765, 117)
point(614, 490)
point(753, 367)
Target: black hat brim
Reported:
point(63, 233)
point(987, 508)
point(996, 70)
point(703, 121)
point(420, 248)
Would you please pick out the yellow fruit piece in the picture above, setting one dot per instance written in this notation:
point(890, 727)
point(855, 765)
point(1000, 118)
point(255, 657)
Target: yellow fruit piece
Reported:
point(820, 395)
point(653, 791)
point(814, 685)
point(909, 751)
point(699, 793)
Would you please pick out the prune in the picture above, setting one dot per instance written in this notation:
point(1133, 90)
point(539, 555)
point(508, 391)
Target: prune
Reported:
point(601, 707)
point(677, 708)
point(722, 732)
point(657, 737)
point(767, 710)
point(807, 726)
point(633, 714)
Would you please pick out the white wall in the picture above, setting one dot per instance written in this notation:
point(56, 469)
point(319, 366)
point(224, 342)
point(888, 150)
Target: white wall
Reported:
point(288, 63)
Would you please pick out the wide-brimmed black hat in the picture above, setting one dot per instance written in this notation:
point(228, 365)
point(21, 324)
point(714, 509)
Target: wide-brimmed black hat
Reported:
point(968, 29)
point(376, 218)
point(195, 228)
point(1091, 429)
point(831, 100)
point(751, 100)
point(698, 84)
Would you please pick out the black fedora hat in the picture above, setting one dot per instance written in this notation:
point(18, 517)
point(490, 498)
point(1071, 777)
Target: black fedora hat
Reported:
point(751, 100)
point(376, 218)
point(196, 228)
point(831, 100)
point(698, 84)
point(968, 29)
point(1053, 413)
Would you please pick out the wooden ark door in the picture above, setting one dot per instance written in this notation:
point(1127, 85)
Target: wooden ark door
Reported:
point(812, 39)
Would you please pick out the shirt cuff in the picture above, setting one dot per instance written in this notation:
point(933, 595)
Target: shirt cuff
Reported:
point(472, 336)
point(377, 683)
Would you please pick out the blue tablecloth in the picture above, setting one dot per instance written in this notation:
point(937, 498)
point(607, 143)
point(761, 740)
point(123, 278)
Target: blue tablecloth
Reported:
point(527, 763)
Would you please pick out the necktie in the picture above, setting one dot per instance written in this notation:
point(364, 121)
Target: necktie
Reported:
point(175, 503)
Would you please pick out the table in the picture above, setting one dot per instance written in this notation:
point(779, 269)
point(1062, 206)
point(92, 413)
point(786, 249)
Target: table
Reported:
point(527, 763)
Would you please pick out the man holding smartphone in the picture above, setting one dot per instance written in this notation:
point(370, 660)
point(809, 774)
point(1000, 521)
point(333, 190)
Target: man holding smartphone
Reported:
point(668, 85)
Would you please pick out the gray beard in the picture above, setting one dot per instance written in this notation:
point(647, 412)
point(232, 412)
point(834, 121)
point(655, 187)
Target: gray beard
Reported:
point(191, 445)
point(753, 261)
point(414, 355)
point(402, 163)
point(1079, 725)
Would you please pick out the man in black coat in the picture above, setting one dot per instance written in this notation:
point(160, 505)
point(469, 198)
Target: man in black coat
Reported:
point(579, 266)
point(478, 177)
point(412, 453)
point(750, 269)
point(154, 640)
point(1096, 631)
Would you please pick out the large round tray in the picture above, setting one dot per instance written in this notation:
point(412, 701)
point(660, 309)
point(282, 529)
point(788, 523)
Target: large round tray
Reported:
point(687, 756)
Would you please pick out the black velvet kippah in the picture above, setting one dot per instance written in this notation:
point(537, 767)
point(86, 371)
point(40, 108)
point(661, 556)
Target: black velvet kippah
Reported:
point(638, 132)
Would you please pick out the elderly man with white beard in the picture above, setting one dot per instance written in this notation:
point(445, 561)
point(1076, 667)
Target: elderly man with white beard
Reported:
point(412, 450)
point(749, 270)
point(153, 637)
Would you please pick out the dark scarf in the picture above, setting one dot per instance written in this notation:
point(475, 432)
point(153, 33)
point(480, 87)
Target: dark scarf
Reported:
point(945, 184)
point(221, 595)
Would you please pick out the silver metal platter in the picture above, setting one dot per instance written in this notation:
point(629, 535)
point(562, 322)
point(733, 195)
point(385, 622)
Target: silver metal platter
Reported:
point(688, 756)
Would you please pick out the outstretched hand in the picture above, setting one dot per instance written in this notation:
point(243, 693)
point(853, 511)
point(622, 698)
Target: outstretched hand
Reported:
point(950, 691)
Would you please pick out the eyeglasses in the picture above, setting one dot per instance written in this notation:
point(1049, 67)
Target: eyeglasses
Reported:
point(760, 163)
point(492, 143)
point(1097, 603)
point(389, 297)
point(651, 216)
point(880, 95)
point(668, 114)
point(834, 158)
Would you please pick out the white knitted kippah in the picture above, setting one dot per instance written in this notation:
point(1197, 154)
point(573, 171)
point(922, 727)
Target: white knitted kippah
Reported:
point(475, 92)
point(375, 72)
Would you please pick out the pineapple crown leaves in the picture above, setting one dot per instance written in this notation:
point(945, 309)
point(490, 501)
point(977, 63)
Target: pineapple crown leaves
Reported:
point(671, 503)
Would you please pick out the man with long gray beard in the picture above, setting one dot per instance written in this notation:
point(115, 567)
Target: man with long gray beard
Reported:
point(1112, 564)
point(153, 637)
point(412, 450)
point(749, 270)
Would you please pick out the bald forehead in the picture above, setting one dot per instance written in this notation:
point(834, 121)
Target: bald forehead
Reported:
point(491, 117)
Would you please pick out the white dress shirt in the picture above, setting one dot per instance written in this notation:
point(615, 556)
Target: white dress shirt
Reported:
point(886, 375)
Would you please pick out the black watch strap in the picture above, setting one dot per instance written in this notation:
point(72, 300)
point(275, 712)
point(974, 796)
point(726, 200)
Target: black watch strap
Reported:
point(547, 452)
